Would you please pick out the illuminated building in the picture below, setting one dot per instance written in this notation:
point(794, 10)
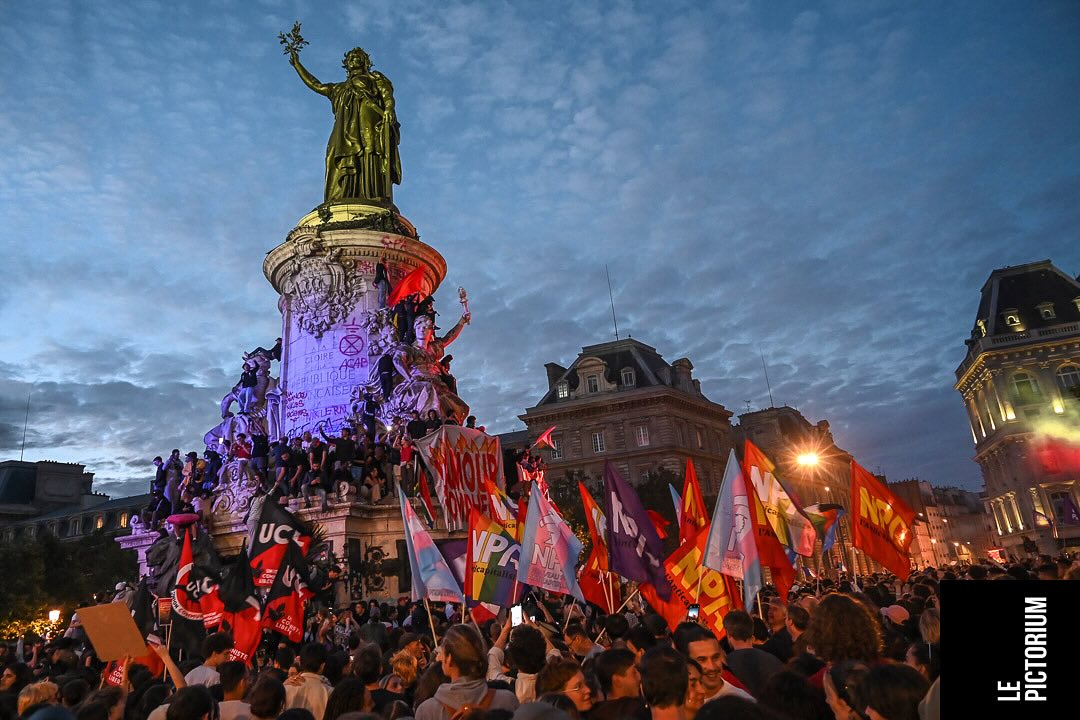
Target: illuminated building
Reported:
point(1020, 382)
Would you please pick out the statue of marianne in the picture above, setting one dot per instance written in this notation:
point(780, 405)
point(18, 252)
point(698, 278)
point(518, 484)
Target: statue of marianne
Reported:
point(362, 161)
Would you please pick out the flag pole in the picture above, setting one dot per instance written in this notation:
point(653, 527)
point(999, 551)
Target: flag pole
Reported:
point(431, 622)
point(625, 603)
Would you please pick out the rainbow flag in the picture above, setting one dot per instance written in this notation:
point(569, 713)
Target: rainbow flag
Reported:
point(491, 574)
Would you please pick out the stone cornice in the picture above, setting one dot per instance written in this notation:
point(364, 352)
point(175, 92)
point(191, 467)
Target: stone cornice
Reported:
point(620, 402)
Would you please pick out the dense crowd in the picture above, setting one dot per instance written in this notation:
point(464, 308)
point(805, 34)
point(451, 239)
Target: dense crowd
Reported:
point(315, 466)
point(844, 650)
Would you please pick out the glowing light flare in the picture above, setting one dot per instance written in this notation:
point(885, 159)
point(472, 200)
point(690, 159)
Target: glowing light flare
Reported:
point(54, 616)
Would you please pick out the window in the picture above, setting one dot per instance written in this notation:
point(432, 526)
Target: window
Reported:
point(598, 442)
point(556, 449)
point(1062, 505)
point(562, 390)
point(1012, 317)
point(1046, 310)
point(592, 382)
point(1025, 387)
point(1068, 377)
point(99, 522)
point(628, 378)
point(700, 440)
point(642, 435)
point(123, 520)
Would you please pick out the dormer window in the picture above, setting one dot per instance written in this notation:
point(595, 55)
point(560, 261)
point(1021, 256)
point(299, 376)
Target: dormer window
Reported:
point(1046, 310)
point(592, 383)
point(1012, 317)
point(562, 390)
point(628, 378)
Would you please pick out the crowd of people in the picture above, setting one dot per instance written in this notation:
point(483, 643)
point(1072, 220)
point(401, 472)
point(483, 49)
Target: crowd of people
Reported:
point(844, 650)
point(311, 466)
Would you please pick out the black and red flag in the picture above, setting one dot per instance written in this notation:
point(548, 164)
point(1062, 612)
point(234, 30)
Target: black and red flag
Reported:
point(275, 530)
point(286, 598)
point(242, 609)
point(195, 595)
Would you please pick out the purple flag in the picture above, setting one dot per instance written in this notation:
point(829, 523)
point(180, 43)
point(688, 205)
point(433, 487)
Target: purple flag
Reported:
point(1070, 516)
point(634, 547)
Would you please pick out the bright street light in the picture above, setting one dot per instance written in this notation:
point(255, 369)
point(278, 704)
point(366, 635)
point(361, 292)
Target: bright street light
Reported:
point(54, 616)
point(807, 458)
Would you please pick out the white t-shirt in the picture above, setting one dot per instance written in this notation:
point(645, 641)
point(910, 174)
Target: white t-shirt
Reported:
point(728, 689)
point(203, 675)
point(234, 710)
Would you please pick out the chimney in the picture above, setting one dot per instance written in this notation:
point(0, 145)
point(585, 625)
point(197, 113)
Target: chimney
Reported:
point(683, 370)
point(554, 372)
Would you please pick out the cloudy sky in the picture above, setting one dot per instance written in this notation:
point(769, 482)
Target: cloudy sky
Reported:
point(828, 183)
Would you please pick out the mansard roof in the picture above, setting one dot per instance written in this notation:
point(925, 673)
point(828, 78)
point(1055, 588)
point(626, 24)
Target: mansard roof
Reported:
point(1025, 290)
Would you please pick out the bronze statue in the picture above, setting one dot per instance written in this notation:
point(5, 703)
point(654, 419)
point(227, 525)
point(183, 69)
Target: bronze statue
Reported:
point(362, 161)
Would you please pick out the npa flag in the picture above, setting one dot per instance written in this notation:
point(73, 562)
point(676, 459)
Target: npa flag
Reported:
point(460, 460)
point(491, 574)
point(730, 548)
point(634, 548)
point(824, 516)
point(195, 595)
point(882, 522)
point(431, 575)
point(272, 532)
point(243, 610)
point(550, 549)
point(693, 517)
point(771, 553)
point(286, 598)
point(685, 574)
point(414, 282)
point(794, 530)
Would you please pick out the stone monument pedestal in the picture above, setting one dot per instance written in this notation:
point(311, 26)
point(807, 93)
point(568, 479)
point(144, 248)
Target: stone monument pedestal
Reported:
point(325, 273)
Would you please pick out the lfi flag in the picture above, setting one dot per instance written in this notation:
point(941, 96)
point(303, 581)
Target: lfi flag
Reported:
point(730, 548)
point(431, 576)
point(550, 549)
point(491, 574)
point(882, 522)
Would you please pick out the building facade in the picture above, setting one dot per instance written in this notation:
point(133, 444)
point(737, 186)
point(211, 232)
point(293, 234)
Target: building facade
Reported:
point(621, 401)
point(1020, 381)
point(58, 498)
point(951, 523)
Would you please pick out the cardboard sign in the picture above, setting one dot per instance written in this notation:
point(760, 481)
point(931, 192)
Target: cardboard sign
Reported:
point(112, 631)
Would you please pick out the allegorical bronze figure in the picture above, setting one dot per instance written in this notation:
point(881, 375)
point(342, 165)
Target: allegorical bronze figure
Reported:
point(362, 161)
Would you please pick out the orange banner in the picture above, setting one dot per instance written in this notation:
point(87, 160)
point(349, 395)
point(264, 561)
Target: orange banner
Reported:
point(882, 522)
point(683, 569)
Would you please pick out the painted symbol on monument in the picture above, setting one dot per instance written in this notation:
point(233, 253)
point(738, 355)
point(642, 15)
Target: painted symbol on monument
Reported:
point(351, 344)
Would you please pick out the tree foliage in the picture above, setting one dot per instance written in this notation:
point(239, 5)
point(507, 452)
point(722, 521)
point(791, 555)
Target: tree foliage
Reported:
point(43, 573)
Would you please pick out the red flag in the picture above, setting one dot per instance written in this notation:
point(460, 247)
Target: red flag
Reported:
point(425, 500)
point(599, 586)
point(195, 595)
point(243, 610)
point(285, 601)
point(414, 282)
point(882, 522)
point(771, 553)
point(693, 517)
point(545, 438)
point(658, 523)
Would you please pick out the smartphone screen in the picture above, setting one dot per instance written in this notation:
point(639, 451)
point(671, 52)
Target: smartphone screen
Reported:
point(515, 615)
point(692, 611)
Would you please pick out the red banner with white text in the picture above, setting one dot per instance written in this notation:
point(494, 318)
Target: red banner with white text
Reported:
point(462, 461)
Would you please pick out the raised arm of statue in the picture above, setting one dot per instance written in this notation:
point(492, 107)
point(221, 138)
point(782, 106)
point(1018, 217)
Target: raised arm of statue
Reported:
point(453, 333)
point(310, 80)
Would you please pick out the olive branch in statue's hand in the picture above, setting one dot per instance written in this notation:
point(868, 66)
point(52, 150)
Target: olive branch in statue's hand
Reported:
point(294, 42)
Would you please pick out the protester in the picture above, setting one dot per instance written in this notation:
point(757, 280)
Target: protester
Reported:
point(463, 660)
point(309, 690)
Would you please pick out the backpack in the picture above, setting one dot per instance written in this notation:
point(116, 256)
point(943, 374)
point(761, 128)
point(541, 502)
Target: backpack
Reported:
point(458, 713)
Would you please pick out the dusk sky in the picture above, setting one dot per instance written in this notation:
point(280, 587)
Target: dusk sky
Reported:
point(826, 183)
